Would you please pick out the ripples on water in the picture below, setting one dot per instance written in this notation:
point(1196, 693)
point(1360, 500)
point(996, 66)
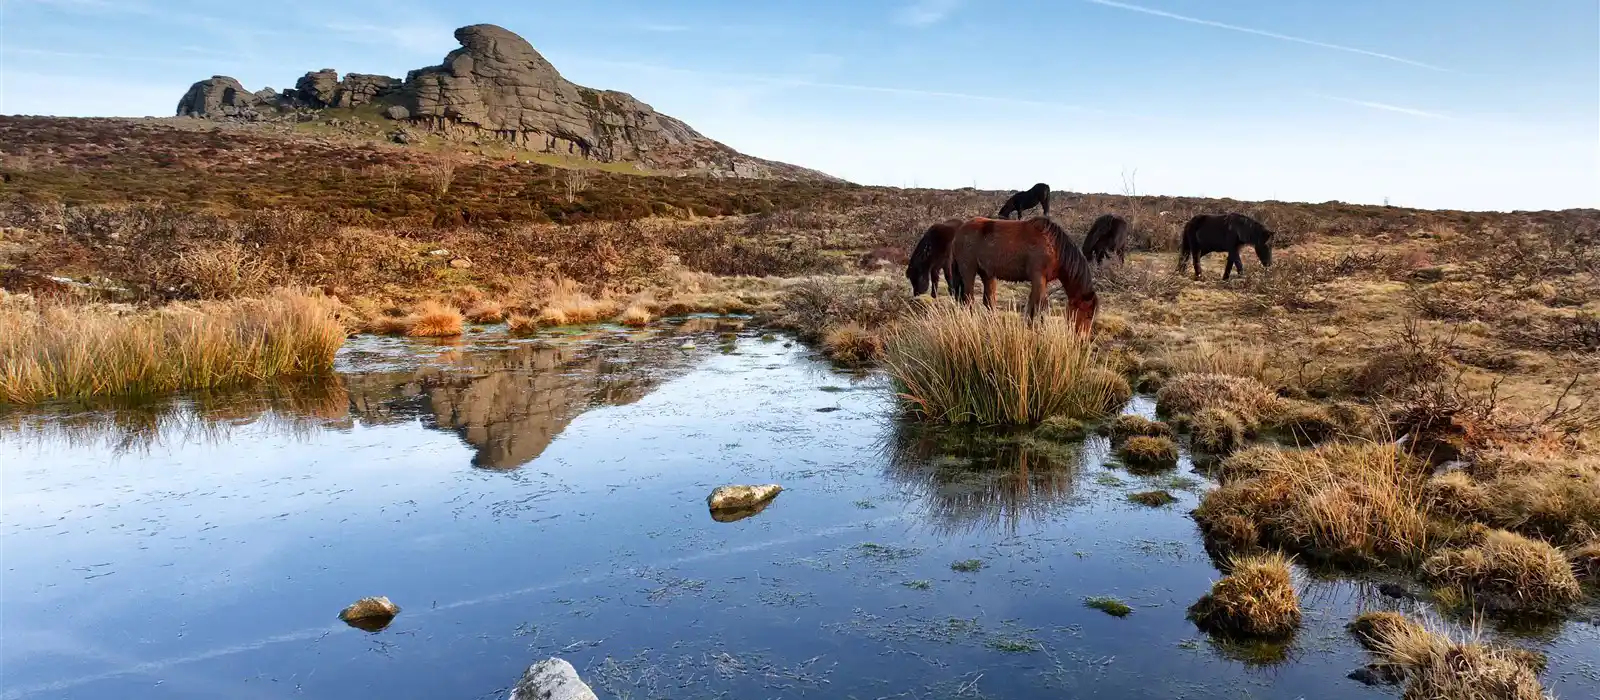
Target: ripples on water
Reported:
point(520, 499)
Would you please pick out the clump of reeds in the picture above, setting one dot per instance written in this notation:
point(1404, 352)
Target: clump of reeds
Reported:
point(1126, 426)
point(964, 364)
point(1585, 560)
point(1216, 430)
point(1145, 452)
point(1507, 572)
point(566, 304)
point(1438, 667)
point(432, 319)
point(850, 343)
point(1154, 499)
point(636, 316)
point(1060, 429)
point(1255, 599)
point(82, 351)
point(1352, 504)
point(519, 324)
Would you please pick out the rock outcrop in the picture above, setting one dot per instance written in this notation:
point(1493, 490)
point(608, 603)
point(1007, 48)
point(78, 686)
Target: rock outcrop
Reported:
point(551, 679)
point(218, 97)
point(496, 86)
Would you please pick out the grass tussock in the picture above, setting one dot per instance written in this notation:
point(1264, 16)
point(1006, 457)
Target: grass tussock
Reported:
point(1108, 605)
point(485, 311)
point(1061, 429)
point(1585, 560)
point(434, 320)
point(1154, 499)
point(83, 351)
point(1304, 422)
point(1188, 394)
point(636, 316)
point(1216, 430)
point(1438, 667)
point(963, 364)
point(1127, 426)
point(1507, 572)
point(1256, 599)
point(1352, 504)
point(565, 303)
point(851, 344)
point(1145, 452)
point(519, 324)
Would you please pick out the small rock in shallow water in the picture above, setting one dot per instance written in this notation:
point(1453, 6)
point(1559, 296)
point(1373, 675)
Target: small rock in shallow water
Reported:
point(551, 679)
point(1395, 590)
point(370, 614)
point(741, 496)
point(733, 515)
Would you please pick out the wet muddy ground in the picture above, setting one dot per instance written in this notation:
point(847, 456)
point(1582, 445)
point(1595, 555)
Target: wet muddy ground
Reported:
point(526, 498)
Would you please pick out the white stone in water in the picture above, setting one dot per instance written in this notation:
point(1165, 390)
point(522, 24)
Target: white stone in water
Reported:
point(551, 679)
point(368, 608)
point(741, 496)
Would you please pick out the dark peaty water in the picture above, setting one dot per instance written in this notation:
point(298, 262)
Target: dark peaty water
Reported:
point(521, 500)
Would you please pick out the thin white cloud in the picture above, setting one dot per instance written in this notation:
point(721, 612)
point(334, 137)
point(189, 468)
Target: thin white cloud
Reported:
point(1261, 32)
point(852, 87)
point(922, 13)
point(1384, 106)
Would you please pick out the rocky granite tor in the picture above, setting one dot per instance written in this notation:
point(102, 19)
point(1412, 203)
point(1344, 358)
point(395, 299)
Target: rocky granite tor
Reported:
point(497, 87)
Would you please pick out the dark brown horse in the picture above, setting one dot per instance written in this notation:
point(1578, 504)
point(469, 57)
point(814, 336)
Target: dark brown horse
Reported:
point(1036, 196)
point(1107, 235)
point(932, 256)
point(1224, 233)
point(1034, 250)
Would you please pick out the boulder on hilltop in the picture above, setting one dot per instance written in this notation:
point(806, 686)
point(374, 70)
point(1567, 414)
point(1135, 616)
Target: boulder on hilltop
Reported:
point(217, 97)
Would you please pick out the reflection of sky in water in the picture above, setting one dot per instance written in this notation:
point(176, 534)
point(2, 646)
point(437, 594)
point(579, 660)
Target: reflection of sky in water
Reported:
point(214, 566)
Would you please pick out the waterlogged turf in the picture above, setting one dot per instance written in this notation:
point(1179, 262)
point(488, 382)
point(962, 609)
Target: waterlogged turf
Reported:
point(525, 498)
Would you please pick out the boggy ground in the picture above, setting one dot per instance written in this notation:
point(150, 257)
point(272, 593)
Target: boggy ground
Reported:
point(1472, 339)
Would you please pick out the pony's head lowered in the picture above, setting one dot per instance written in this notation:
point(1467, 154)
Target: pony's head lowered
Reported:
point(1260, 237)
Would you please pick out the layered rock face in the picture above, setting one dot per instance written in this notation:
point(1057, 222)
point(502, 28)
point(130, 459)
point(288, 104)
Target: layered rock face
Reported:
point(496, 86)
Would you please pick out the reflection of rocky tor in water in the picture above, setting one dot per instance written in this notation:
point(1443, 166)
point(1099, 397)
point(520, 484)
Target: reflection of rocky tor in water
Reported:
point(510, 405)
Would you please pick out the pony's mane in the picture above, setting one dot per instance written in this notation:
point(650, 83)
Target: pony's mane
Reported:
point(1072, 261)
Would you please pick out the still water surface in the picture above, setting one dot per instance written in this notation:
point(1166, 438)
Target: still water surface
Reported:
point(521, 499)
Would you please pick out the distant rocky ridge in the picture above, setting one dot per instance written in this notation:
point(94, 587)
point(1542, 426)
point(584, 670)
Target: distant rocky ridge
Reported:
point(496, 86)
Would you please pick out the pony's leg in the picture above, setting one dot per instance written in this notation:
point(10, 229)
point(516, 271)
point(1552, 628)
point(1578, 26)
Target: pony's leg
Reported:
point(933, 281)
point(1233, 262)
point(1197, 255)
point(1038, 297)
point(990, 288)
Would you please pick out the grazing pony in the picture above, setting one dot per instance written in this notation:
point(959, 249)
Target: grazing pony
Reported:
point(1036, 196)
point(1224, 233)
point(1107, 235)
point(1035, 250)
point(932, 256)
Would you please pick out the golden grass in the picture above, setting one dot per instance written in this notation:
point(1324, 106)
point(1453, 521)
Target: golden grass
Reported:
point(1126, 426)
point(434, 320)
point(1256, 599)
point(636, 316)
point(1441, 668)
point(1146, 452)
point(1188, 394)
point(964, 364)
point(1507, 572)
point(76, 352)
point(566, 304)
point(1216, 430)
point(1227, 359)
point(1060, 429)
point(1345, 503)
point(850, 343)
point(485, 311)
point(1585, 560)
point(519, 324)
point(1303, 422)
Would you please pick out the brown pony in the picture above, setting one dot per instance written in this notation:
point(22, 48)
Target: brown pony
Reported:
point(931, 257)
point(1035, 250)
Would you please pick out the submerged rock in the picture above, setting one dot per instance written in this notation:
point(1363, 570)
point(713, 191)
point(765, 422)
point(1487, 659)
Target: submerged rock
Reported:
point(370, 614)
point(551, 679)
point(1378, 674)
point(733, 515)
point(741, 496)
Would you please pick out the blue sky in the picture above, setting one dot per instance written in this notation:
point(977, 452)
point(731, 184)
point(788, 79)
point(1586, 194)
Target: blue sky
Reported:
point(1473, 104)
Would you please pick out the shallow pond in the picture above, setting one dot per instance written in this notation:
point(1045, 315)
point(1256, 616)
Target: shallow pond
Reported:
point(522, 499)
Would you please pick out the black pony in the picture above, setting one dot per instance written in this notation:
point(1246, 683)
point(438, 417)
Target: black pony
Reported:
point(1224, 233)
point(932, 256)
point(1107, 235)
point(1036, 196)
